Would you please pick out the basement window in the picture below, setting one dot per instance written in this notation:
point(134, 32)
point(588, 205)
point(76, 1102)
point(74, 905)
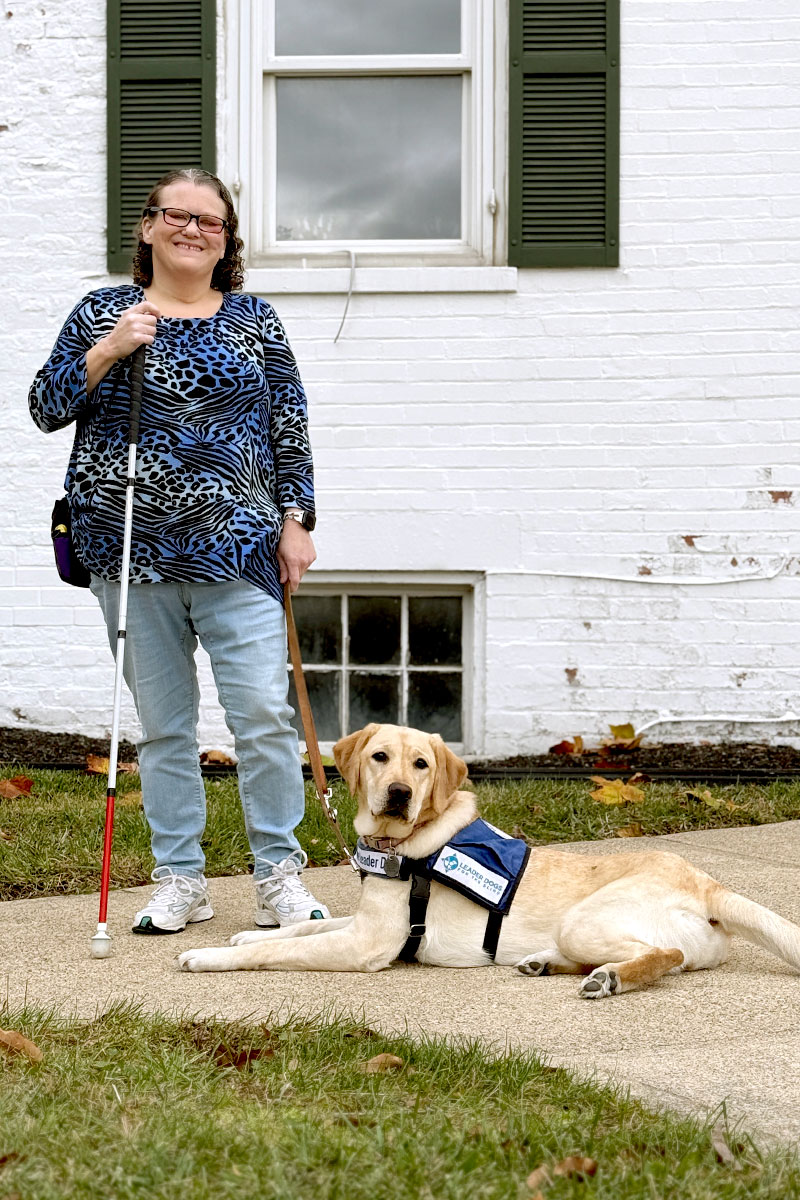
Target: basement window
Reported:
point(390, 656)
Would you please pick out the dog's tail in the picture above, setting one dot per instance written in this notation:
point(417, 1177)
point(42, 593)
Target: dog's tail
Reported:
point(737, 914)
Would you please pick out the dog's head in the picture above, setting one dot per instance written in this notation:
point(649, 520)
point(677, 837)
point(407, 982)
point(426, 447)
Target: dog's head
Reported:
point(401, 777)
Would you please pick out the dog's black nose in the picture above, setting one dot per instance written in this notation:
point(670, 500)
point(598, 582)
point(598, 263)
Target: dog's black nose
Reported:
point(397, 797)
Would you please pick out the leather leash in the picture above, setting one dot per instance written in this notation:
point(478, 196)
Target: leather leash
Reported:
point(324, 793)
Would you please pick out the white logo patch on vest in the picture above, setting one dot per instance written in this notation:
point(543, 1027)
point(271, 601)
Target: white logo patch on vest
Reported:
point(478, 879)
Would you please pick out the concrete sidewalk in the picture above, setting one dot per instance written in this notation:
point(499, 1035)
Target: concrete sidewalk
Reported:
point(687, 1043)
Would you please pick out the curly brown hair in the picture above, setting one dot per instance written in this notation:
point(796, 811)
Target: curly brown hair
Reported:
point(229, 272)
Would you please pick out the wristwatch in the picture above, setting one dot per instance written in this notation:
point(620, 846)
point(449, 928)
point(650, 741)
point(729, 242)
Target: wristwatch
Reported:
point(306, 519)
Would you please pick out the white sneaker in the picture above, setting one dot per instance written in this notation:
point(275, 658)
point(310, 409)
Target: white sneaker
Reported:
point(283, 899)
point(178, 901)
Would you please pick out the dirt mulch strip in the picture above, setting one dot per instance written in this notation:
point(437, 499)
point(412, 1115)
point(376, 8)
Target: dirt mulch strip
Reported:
point(29, 746)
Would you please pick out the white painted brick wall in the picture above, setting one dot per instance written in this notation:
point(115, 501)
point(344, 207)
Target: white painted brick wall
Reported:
point(639, 422)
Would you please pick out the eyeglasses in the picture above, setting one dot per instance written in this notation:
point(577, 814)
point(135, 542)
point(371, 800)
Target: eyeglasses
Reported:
point(180, 218)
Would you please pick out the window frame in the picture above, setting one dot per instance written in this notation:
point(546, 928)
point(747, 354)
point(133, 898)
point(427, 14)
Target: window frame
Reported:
point(483, 198)
point(465, 589)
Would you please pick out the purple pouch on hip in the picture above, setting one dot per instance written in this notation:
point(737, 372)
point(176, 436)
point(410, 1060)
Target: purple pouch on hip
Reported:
point(69, 566)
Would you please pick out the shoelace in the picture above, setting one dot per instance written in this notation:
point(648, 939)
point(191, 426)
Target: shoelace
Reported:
point(287, 873)
point(172, 888)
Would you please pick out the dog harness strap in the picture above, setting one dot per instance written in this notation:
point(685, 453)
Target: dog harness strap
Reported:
point(494, 923)
point(417, 908)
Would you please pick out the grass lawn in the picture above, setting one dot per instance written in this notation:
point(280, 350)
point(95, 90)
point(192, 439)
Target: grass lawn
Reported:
point(132, 1106)
point(51, 840)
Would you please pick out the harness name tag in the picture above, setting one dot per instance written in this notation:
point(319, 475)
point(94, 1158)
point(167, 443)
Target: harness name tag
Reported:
point(372, 861)
point(454, 866)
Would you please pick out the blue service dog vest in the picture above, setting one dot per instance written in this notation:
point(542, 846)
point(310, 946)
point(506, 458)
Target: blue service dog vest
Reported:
point(480, 861)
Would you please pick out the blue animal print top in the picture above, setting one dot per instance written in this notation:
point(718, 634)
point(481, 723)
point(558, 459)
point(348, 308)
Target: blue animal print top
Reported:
point(223, 442)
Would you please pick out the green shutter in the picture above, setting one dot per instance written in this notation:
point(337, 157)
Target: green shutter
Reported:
point(161, 104)
point(563, 200)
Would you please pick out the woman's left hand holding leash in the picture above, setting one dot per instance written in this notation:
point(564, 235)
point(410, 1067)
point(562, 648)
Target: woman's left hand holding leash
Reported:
point(296, 553)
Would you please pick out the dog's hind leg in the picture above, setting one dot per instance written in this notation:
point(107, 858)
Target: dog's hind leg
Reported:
point(645, 965)
point(548, 962)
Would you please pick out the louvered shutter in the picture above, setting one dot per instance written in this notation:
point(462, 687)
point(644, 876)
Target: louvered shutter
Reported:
point(161, 104)
point(563, 172)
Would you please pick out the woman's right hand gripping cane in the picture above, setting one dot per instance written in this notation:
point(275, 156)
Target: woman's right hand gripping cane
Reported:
point(135, 327)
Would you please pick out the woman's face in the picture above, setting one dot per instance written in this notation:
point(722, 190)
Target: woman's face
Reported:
point(188, 251)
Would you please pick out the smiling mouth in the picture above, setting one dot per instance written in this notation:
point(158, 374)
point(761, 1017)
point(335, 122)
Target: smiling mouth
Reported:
point(189, 246)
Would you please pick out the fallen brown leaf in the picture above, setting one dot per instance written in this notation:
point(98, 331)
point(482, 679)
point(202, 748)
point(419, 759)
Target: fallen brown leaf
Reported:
point(13, 1156)
point(9, 790)
point(615, 791)
point(575, 1165)
point(635, 829)
point(700, 797)
point(382, 1063)
point(568, 747)
point(622, 733)
point(219, 757)
point(541, 1175)
point(23, 783)
point(130, 799)
point(227, 1056)
point(97, 765)
point(14, 1043)
point(640, 777)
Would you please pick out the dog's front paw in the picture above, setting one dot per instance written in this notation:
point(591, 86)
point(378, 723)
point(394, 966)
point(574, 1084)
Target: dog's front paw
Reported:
point(600, 983)
point(251, 935)
point(204, 960)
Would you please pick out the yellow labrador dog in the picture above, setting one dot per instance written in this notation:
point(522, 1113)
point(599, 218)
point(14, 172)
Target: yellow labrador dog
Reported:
point(620, 920)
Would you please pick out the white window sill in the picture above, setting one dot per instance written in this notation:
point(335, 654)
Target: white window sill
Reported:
point(272, 281)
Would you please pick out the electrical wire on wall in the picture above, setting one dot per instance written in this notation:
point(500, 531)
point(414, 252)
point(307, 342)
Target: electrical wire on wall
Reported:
point(349, 293)
point(674, 580)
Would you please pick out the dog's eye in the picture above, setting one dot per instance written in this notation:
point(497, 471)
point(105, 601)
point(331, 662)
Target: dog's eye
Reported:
point(421, 765)
point(379, 756)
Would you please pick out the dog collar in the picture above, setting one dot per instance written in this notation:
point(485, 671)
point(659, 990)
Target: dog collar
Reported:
point(380, 843)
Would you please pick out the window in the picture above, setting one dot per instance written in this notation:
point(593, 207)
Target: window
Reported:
point(388, 655)
point(405, 132)
point(363, 128)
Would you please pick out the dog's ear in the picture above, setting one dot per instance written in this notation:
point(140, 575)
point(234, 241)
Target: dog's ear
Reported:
point(347, 756)
point(451, 771)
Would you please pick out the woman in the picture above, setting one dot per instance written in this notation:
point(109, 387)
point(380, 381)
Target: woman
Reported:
point(223, 509)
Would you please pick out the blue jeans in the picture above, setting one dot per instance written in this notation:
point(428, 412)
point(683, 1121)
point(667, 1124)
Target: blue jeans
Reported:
point(243, 631)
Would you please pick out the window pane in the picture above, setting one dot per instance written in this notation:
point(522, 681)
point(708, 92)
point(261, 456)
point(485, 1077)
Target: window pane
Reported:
point(369, 158)
point(373, 698)
point(367, 26)
point(434, 703)
point(374, 630)
point(319, 628)
point(324, 695)
point(434, 631)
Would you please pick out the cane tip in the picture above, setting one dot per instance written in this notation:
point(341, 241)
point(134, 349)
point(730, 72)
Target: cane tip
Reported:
point(101, 945)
